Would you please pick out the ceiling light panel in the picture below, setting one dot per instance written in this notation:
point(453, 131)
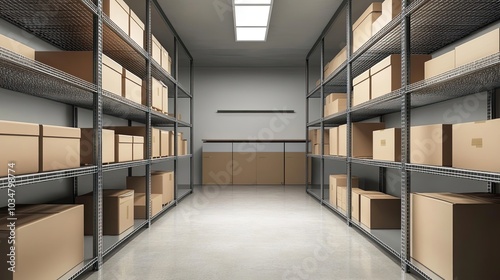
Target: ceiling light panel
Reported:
point(252, 15)
point(251, 33)
point(252, 2)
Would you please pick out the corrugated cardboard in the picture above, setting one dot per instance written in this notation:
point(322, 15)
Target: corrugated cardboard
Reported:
point(59, 147)
point(295, 168)
point(339, 180)
point(481, 47)
point(440, 64)
point(156, 49)
point(356, 201)
point(165, 60)
point(164, 97)
point(448, 235)
point(270, 168)
point(131, 86)
point(118, 211)
point(123, 148)
point(157, 94)
point(361, 88)
point(335, 63)
point(431, 144)
point(17, 47)
point(336, 106)
point(334, 141)
point(387, 144)
point(140, 205)
point(217, 168)
point(342, 197)
point(380, 211)
point(475, 145)
point(20, 144)
point(136, 29)
point(172, 143)
point(164, 144)
point(161, 183)
point(390, 9)
point(362, 139)
point(138, 148)
point(87, 149)
point(118, 12)
point(141, 131)
point(362, 28)
point(51, 239)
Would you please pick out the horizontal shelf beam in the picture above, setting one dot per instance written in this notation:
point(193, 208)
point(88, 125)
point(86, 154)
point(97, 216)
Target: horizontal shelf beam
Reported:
point(255, 111)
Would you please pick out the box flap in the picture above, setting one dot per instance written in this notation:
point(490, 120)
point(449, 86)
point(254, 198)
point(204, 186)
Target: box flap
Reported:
point(19, 128)
point(120, 138)
point(138, 139)
point(59, 131)
point(454, 198)
point(363, 76)
point(373, 8)
point(131, 76)
point(111, 64)
point(135, 18)
point(393, 59)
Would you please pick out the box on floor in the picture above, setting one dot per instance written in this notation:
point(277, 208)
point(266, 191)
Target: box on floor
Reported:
point(380, 211)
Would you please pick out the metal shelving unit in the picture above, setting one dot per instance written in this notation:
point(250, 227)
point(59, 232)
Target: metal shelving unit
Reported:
point(79, 25)
point(422, 27)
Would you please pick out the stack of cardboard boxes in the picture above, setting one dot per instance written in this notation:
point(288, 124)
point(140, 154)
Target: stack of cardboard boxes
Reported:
point(315, 138)
point(335, 103)
point(162, 192)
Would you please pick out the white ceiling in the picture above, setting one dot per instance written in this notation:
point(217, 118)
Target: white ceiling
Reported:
point(206, 28)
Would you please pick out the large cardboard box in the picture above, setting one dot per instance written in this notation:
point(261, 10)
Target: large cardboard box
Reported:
point(480, 47)
point(156, 49)
point(336, 106)
point(123, 147)
point(390, 9)
point(118, 12)
point(431, 144)
point(87, 147)
point(356, 201)
point(138, 148)
point(362, 28)
point(448, 235)
point(387, 144)
point(334, 141)
point(179, 144)
point(20, 145)
point(131, 86)
point(117, 213)
point(439, 65)
point(136, 29)
point(59, 147)
point(339, 180)
point(380, 211)
point(361, 139)
point(164, 97)
point(161, 183)
point(335, 63)
point(386, 75)
point(361, 88)
point(51, 238)
point(66, 61)
point(317, 149)
point(140, 205)
point(141, 131)
point(475, 145)
point(164, 143)
point(17, 47)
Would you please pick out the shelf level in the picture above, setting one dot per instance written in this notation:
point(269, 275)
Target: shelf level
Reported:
point(110, 242)
point(377, 163)
point(455, 172)
point(28, 179)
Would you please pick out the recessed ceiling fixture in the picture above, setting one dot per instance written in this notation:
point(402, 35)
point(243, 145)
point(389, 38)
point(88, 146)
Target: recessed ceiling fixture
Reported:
point(251, 19)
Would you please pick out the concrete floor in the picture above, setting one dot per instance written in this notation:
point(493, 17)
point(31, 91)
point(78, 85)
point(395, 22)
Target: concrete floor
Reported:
point(250, 232)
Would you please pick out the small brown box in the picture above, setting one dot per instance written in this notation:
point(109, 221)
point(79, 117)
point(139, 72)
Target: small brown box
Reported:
point(17, 47)
point(123, 148)
point(141, 131)
point(387, 144)
point(164, 98)
point(118, 12)
point(179, 144)
point(478, 48)
point(362, 139)
point(138, 148)
point(161, 183)
point(164, 144)
point(136, 29)
point(431, 144)
point(165, 60)
point(361, 92)
point(87, 150)
point(380, 211)
point(439, 65)
point(342, 197)
point(156, 50)
point(334, 141)
point(335, 63)
point(390, 9)
point(362, 28)
point(172, 143)
point(20, 145)
point(59, 147)
point(356, 201)
point(336, 106)
point(131, 86)
point(339, 180)
point(140, 205)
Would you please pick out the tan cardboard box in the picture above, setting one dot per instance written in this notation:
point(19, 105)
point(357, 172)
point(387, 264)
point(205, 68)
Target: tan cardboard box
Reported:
point(339, 180)
point(157, 94)
point(475, 145)
point(334, 141)
point(326, 136)
point(164, 143)
point(161, 183)
point(217, 168)
point(52, 238)
point(172, 143)
point(387, 144)
point(156, 49)
point(361, 88)
point(356, 201)
point(165, 60)
point(431, 144)
point(342, 197)
point(440, 64)
point(117, 213)
point(481, 47)
point(138, 148)
point(66, 61)
point(362, 139)
point(20, 145)
point(362, 28)
point(335, 63)
point(141, 131)
point(17, 47)
point(380, 211)
point(386, 75)
point(185, 147)
point(118, 12)
point(136, 29)
point(169, 65)
point(59, 147)
point(179, 144)
point(447, 235)
point(390, 9)
point(131, 86)
point(164, 98)
point(123, 148)
point(87, 149)
point(140, 205)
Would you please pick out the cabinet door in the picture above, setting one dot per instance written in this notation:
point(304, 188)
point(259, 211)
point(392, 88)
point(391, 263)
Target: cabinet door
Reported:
point(295, 168)
point(244, 164)
point(217, 163)
point(270, 164)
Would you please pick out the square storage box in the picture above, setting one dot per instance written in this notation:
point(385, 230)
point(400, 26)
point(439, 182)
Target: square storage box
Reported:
point(118, 11)
point(431, 144)
point(138, 148)
point(20, 145)
point(136, 29)
point(362, 139)
point(161, 183)
point(87, 149)
point(387, 144)
point(123, 148)
point(59, 147)
point(140, 205)
point(17, 47)
point(131, 86)
point(361, 92)
point(362, 28)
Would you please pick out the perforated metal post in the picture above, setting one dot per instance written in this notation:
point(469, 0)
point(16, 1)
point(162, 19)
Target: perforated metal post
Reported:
point(307, 128)
point(191, 129)
point(75, 179)
point(491, 114)
point(322, 124)
point(176, 125)
point(349, 105)
point(149, 140)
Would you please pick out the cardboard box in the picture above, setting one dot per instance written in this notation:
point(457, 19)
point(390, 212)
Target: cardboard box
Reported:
point(165, 60)
point(380, 211)
point(123, 148)
point(439, 65)
point(179, 144)
point(480, 47)
point(87, 147)
point(17, 47)
point(334, 96)
point(52, 238)
point(164, 98)
point(342, 198)
point(387, 144)
point(475, 145)
point(361, 88)
point(117, 211)
point(326, 136)
point(138, 148)
point(172, 143)
point(386, 75)
point(448, 235)
point(184, 147)
point(390, 9)
point(164, 144)
point(20, 144)
point(59, 147)
point(356, 201)
point(334, 141)
point(169, 65)
point(156, 49)
point(335, 106)
point(136, 29)
point(140, 205)
point(362, 28)
point(161, 183)
point(335, 63)
point(431, 144)
point(156, 95)
point(141, 131)
point(339, 180)
point(362, 139)
point(66, 61)
point(118, 12)
point(131, 86)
